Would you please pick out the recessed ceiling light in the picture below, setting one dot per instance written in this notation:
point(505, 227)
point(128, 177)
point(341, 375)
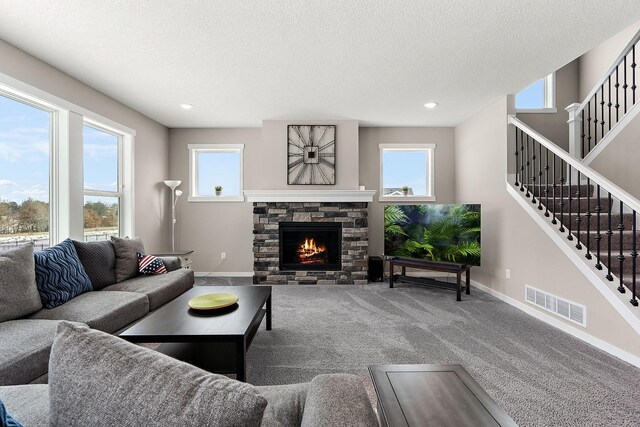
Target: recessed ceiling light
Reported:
point(431, 104)
point(186, 106)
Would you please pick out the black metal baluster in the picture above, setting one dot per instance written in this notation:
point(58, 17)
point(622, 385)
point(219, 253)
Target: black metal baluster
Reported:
point(625, 85)
point(569, 235)
point(533, 171)
point(621, 288)
point(539, 176)
point(598, 234)
point(554, 220)
point(528, 164)
point(602, 111)
point(578, 218)
point(609, 104)
point(634, 260)
point(609, 234)
point(617, 85)
point(516, 153)
point(546, 183)
point(588, 128)
point(633, 74)
point(588, 215)
point(562, 180)
point(595, 120)
point(521, 161)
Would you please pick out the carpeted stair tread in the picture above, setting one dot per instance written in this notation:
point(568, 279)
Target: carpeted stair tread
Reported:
point(593, 219)
point(565, 189)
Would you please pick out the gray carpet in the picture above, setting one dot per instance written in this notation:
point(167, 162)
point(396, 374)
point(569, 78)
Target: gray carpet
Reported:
point(540, 375)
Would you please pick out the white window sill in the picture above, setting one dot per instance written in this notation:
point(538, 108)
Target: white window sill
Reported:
point(537, 110)
point(407, 199)
point(207, 199)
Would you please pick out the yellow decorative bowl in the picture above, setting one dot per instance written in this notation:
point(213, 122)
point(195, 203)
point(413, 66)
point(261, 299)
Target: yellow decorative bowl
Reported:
point(212, 301)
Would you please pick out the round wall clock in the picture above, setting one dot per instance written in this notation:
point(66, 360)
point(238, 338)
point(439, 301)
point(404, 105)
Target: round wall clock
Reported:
point(311, 157)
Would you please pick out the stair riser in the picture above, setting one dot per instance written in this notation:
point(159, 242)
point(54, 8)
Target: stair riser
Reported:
point(615, 265)
point(574, 205)
point(627, 240)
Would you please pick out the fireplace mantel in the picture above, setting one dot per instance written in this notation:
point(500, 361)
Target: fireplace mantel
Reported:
point(309, 195)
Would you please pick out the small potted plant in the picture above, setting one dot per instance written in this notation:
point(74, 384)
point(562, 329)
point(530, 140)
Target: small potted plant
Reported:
point(405, 190)
point(218, 190)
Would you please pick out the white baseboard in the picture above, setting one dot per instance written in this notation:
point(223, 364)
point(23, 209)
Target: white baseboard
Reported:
point(224, 273)
point(589, 339)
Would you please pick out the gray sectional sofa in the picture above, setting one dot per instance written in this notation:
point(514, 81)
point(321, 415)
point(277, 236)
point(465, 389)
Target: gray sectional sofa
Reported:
point(26, 341)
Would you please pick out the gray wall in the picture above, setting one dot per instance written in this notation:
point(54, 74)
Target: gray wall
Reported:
point(512, 240)
point(151, 142)
point(370, 169)
point(554, 125)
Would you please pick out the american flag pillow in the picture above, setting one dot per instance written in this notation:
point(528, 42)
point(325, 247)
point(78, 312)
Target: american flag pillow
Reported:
point(149, 264)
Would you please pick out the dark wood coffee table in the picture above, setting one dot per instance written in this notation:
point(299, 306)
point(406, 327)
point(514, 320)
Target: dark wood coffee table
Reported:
point(433, 395)
point(216, 340)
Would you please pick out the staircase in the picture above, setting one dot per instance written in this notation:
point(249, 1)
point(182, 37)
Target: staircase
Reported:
point(592, 219)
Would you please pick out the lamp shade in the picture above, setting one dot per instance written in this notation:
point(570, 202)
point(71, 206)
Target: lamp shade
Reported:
point(173, 183)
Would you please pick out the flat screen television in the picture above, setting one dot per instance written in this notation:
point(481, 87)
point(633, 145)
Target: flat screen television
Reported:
point(448, 233)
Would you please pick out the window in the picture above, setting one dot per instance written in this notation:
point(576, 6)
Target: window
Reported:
point(25, 165)
point(213, 166)
point(102, 182)
point(406, 171)
point(44, 141)
point(539, 97)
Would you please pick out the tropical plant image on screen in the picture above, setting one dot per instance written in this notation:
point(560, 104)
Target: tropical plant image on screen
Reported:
point(435, 232)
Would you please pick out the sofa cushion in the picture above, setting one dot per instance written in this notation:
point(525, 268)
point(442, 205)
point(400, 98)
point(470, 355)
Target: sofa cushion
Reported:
point(159, 289)
point(24, 349)
point(28, 404)
point(338, 399)
point(150, 264)
point(96, 379)
point(126, 257)
point(105, 311)
point(99, 261)
point(285, 404)
point(19, 294)
point(60, 275)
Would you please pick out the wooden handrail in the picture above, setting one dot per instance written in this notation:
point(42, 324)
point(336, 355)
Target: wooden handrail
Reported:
point(603, 182)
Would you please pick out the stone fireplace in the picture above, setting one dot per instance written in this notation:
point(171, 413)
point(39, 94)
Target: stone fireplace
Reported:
point(310, 242)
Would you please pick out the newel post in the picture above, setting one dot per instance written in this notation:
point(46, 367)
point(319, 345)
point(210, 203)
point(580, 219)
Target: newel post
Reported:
point(575, 133)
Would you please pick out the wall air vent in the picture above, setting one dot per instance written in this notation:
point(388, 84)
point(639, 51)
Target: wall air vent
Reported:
point(572, 311)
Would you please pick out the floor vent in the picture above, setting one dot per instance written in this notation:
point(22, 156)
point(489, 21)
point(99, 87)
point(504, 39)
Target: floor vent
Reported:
point(569, 310)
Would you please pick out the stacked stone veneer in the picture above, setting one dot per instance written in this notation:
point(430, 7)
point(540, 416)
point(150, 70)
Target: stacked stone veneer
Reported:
point(266, 241)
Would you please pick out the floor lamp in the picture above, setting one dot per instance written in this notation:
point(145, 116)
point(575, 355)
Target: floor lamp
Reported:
point(173, 183)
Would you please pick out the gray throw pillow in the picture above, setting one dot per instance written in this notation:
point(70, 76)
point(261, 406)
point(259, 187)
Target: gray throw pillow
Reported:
point(126, 257)
point(99, 380)
point(19, 294)
point(99, 261)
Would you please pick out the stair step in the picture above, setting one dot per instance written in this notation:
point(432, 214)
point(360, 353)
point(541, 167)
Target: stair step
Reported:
point(627, 239)
point(574, 205)
point(593, 220)
point(565, 189)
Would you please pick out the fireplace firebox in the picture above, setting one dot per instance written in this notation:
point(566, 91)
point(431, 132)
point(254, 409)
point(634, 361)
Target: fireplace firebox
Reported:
point(312, 246)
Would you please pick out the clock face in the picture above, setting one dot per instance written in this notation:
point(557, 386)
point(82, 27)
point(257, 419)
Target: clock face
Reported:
point(311, 155)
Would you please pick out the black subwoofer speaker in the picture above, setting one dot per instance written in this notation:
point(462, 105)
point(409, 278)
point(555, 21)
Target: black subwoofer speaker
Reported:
point(376, 269)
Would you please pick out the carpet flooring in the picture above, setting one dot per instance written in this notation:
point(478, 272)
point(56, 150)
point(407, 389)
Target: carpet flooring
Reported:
point(538, 374)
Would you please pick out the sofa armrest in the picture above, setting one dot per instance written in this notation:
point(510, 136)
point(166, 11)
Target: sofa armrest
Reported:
point(171, 263)
point(338, 400)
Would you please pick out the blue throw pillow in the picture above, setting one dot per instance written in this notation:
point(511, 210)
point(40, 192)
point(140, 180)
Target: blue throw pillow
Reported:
point(60, 275)
point(7, 420)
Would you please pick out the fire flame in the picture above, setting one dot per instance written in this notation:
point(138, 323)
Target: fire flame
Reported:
point(310, 249)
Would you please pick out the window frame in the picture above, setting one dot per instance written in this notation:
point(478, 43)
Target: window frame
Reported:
point(549, 91)
point(119, 193)
point(430, 178)
point(66, 186)
point(194, 150)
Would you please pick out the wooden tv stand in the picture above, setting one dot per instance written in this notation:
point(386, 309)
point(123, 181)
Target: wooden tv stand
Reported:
point(446, 267)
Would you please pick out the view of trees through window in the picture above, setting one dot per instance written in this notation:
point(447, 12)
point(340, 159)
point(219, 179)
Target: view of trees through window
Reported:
point(25, 164)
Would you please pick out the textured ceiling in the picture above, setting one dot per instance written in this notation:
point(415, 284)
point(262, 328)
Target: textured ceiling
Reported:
point(239, 62)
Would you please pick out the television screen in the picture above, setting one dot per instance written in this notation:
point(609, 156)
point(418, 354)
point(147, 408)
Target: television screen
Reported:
point(448, 233)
